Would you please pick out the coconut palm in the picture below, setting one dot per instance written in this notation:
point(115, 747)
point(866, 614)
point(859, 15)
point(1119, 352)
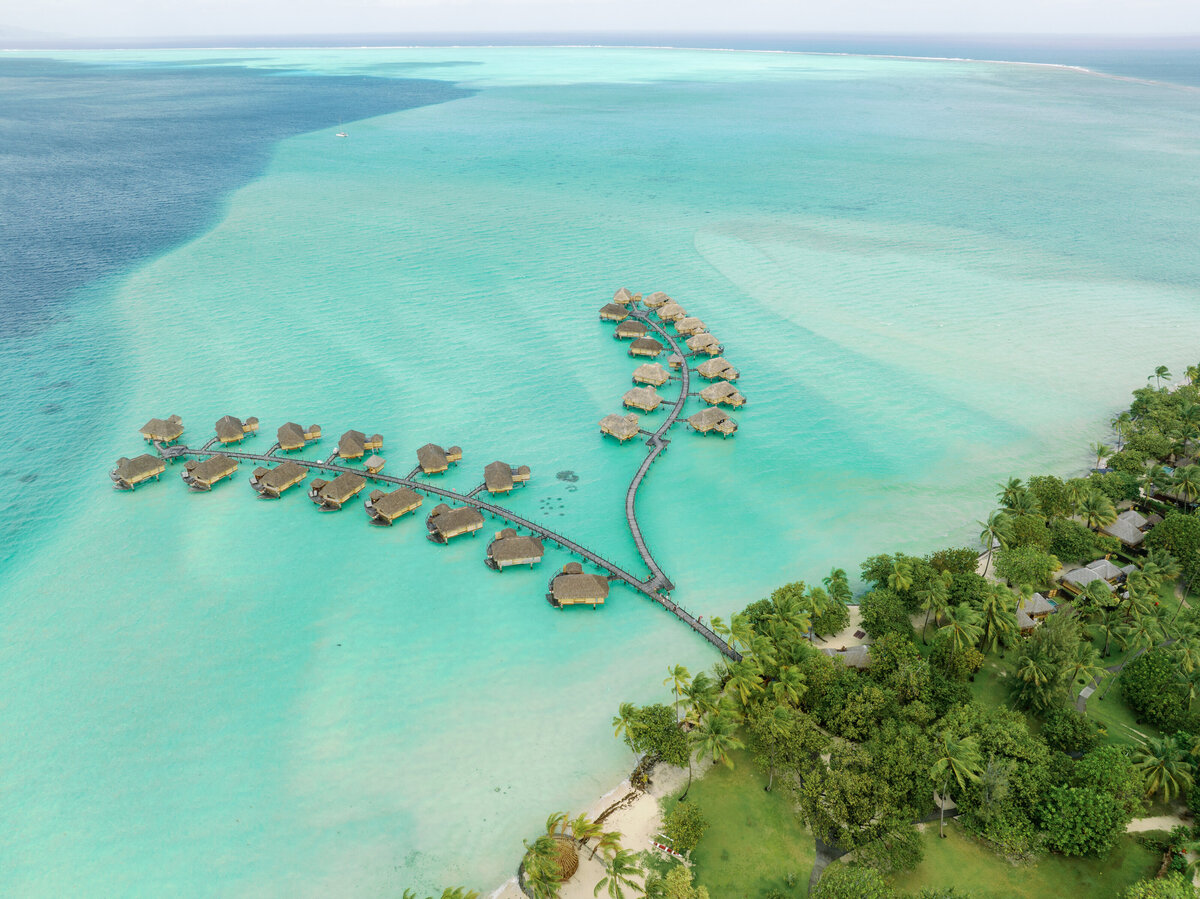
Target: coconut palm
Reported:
point(1112, 624)
point(740, 631)
point(713, 738)
point(700, 696)
point(1100, 451)
point(548, 862)
point(934, 599)
point(1186, 483)
point(901, 577)
point(607, 843)
point(789, 687)
point(1193, 374)
point(1023, 504)
point(1085, 667)
point(1160, 373)
point(1154, 479)
point(959, 762)
point(1009, 490)
point(838, 585)
point(1096, 510)
point(788, 611)
point(619, 874)
point(678, 677)
point(962, 627)
point(1142, 632)
point(744, 681)
point(1166, 564)
point(998, 615)
point(778, 721)
point(1186, 651)
point(1166, 765)
point(625, 724)
point(1120, 425)
point(997, 531)
point(1191, 680)
point(583, 829)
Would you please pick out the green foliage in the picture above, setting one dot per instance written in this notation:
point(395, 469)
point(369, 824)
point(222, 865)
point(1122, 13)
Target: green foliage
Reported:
point(1178, 534)
point(852, 882)
point(959, 560)
point(654, 731)
point(1173, 886)
point(948, 662)
point(1128, 461)
point(1051, 495)
point(1029, 530)
point(685, 825)
point(1080, 821)
point(883, 613)
point(1119, 486)
point(901, 849)
point(1111, 770)
point(678, 885)
point(1070, 541)
point(1153, 690)
point(1151, 443)
point(896, 664)
point(1070, 731)
point(1023, 565)
point(1043, 667)
point(968, 589)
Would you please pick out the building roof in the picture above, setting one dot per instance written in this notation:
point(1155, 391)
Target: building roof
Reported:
point(498, 476)
point(290, 436)
point(669, 312)
point(700, 341)
point(1024, 622)
point(614, 312)
point(577, 586)
point(399, 501)
point(620, 426)
point(651, 373)
point(722, 392)
point(352, 444)
point(138, 467)
point(712, 418)
point(374, 463)
point(447, 520)
point(432, 458)
point(509, 546)
point(689, 325)
point(853, 656)
point(342, 487)
point(1135, 518)
point(1105, 569)
point(631, 328)
point(622, 297)
point(656, 299)
point(1125, 531)
point(164, 429)
point(1081, 577)
point(283, 474)
point(717, 367)
point(1036, 605)
point(645, 346)
point(229, 429)
point(644, 398)
point(212, 468)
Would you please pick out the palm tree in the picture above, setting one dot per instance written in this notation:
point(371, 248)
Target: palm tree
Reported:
point(1023, 504)
point(713, 738)
point(1186, 651)
point(1120, 425)
point(1112, 624)
point(678, 677)
point(1142, 632)
point(607, 844)
point(1193, 373)
point(744, 680)
point(901, 577)
point(548, 862)
point(1009, 490)
point(997, 531)
point(1101, 451)
point(1097, 510)
point(1160, 373)
point(719, 627)
point(1166, 765)
point(934, 599)
point(999, 616)
point(958, 761)
point(838, 585)
point(1085, 667)
point(778, 721)
point(1191, 680)
point(740, 631)
point(789, 687)
point(625, 724)
point(1186, 483)
point(619, 874)
point(584, 829)
point(961, 627)
point(700, 696)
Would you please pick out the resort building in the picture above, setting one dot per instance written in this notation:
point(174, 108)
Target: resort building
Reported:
point(650, 373)
point(332, 495)
point(131, 472)
point(613, 312)
point(644, 398)
point(272, 482)
point(621, 427)
point(853, 656)
point(689, 326)
point(675, 360)
point(628, 330)
point(234, 430)
point(718, 367)
point(163, 430)
point(704, 343)
point(670, 312)
point(374, 464)
point(722, 393)
point(202, 475)
point(432, 459)
point(645, 346)
point(445, 523)
point(293, 437)
point(1033, 611)
point(354, 444)
point(500, 477)
point(384, 508)
point(572, 587)
point(511, 548)
point(1077, 580)
point(713, 419)
point(1130, 528)
point(656, 299)
point(622, 297)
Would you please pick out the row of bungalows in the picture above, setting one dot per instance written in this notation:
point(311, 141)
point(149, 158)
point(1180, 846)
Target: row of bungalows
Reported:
point(573, 587)
point(1077, 580)
point(1032, 611)
point(689, 327)
point(510, 548)
point(131, 472)
point(385, 508)
point(712, 419)
point(670, 312)
point(233, 430)
point(332, 495)
point(1130, 527)
point(292, 436)
point(704, 343)
point(272, 482)
point(630, 330)
point(852, 656)
point(613, 312)
point(432, 459)
point(644, 398)
point(722, 393)
point(500, 477)
point(651, 373)
point(656, 300)
point(445, 523)
point(202, 475)
point(354, 444)
point(623, 427)
point(645, 346)
point(717, 368)
point(163, 430)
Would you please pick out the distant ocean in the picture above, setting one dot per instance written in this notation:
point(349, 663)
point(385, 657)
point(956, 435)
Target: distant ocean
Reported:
point(932, 275)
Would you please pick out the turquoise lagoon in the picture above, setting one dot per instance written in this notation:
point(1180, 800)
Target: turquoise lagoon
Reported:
point(932, 275)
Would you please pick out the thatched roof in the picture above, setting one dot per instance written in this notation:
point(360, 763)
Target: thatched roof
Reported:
point(702, 341)
point(140, 467)
point(393, 505)
point(455, 521)
point(622, 297)
point(290, 436)
point(1024, 622)
point(689, 325)
point(669, 312)
point(1135, 518)
point(675, 360)
point(283, 475)
point(613, 313)
point(1105, 569)
point(573, 586)
point(212, 469)
point(717, 367)
point(644, 398)
point(342, 487)
point(352, 445)
point(629, 329)
point(163, 429)
point(432, 458)
point(651, 373)
point(712, 419)
point(498, 476)
point(1036, 605)
point(656, 299)
point(722, 392)
point(374, 464)
point(1125, 531)
point(620, 426)
point(854, 656)
point(645, 346)
point(509, 546)
point(230, 429)
point(1081, 577)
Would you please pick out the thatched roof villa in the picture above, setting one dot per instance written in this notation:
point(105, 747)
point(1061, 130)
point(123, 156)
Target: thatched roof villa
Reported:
point(445, 523)
point(434, 460)
point(622, 297)
point(644, 398)
point(163, 430)
point(712, 419)
point(374, 464)
point(500, 477)
point(511, 548)
point(202, 475)
point(722, 393)
point(650, 373)
point(621, 427)
point(853, 656)
point(332, 495)
point(234, 430)
point(670, 312)
point(718, 367)
point(131, 472)
point(573, 587)
point(292, 436)
point(645, 346)
point(690, 326)
point(384, 508)
point(628, 330)
point(704, 343)
point(354, 444)
point(656, 299)
point(675, 360)
point(1077, 579)
point(613, 312)
point(1130, 528)
point(272, 482)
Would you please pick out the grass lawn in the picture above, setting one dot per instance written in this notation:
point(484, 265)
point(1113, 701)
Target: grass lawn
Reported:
point(960, 861)
point(753, 841)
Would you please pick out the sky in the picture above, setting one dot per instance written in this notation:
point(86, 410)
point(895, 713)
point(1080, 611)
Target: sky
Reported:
point(184, 18)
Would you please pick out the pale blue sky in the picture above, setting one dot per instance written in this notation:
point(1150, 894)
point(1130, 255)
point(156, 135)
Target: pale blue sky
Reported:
point(88, 18)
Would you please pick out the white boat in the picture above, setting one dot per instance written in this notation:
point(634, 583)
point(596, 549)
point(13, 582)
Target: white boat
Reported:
point(342, 134)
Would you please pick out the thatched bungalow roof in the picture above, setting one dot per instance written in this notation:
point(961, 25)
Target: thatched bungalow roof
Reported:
point(1125, 531)
point(511, 548)
point(1024, 622)
point(669, 312)
point(627, 330)
point(645, 346)
point(650, 373)
point(202, 475)
point(1037, 606)
point(352, 445)
point(675, 360)
point(854, 656)
point(689, 326)
point(234, 430)
point(387, 507)
point(644, 398)
point(273, 481)
point(292, 436)
point(374, 464)
point(1135, 518)
point(656, 299)
point(722, 392)
point(131, 472)
point(715, 368)
point(444, 522)
point(622, 297)
point(163, 430)
point(572, 586)
point(703, 343)
point(622, 427)
point(712, 419)
point(1105, 569)
point(1077, 579)
point(333, 494)
point(498, 477)
point(613, 313)
point(433, 459)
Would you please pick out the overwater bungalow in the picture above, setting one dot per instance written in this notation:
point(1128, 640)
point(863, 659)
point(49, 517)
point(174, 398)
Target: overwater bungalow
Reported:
point(650, 373)
point(202, 475)
point(384, 508)
point(234, 430)
point(712, 419)
point(573, 587)
point(500, 477)
point(669, 312)
point(689, 326)
point(704, 343)
point(374, 464)
point(722, 393)
point(292, 436)
point(656, 299)
point(355, 444)
point(445, 523)
point(163, 430)
point(717, 368)
point(332, 495)
point(675, 360)
point(434, 460)
point(131, 472)
point(272, 482)
point(644, 398)
point(613, 312)
point(510, 548)
point(628, 330)
point(621, 427)
point(622, 297)
point(645, 346)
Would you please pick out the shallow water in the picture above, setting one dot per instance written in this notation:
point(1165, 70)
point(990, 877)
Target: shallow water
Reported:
point(931, 275)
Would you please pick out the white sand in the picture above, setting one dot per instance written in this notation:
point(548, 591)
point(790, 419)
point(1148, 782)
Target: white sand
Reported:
point(845, 638)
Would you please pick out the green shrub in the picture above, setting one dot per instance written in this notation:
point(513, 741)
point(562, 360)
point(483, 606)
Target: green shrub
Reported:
point(1151, 686)
point(685, 825)
point(1080, 821)
point(1025, 565)
point(957, 561)
point(1070, 541)
point(851, 882)
point(1173, 886)
point(1069, 731)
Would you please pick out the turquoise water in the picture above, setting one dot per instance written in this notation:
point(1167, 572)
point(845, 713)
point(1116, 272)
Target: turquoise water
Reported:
point(931, 275)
